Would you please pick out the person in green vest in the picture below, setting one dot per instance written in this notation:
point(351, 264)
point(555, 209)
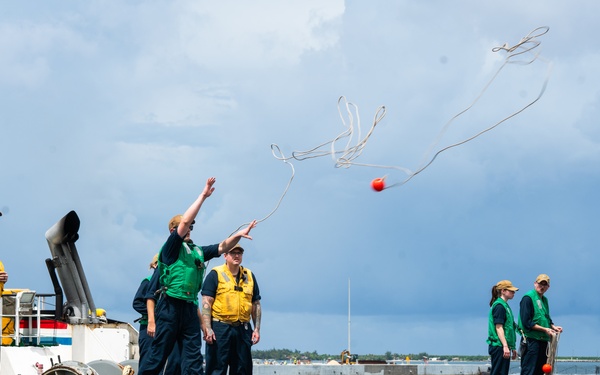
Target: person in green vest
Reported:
point(139, 305)
point(502, 337)
point(536, 326)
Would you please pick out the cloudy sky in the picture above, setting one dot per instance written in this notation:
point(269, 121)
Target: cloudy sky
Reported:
point(122, 110)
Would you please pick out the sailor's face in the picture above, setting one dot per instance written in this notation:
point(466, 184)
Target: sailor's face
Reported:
point(508, 294)
point(235, 257)
point(541, 287)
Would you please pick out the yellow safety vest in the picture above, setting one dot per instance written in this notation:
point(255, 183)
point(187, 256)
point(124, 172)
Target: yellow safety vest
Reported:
point(8, 323)
point(233, 302)
point(1, 284)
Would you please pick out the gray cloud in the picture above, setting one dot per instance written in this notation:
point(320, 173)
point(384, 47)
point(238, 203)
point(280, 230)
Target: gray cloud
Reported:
point(120, 112)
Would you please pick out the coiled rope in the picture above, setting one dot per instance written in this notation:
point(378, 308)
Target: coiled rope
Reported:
point(552, 349)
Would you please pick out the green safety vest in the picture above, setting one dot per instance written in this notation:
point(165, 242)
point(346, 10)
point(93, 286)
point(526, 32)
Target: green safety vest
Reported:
point(183, 279)
point(541, 316)
point(509, 327)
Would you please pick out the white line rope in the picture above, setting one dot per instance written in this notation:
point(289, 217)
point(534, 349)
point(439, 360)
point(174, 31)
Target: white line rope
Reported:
point(347, 156)
point(275, 150)
point(348, 111)
point(551, 350)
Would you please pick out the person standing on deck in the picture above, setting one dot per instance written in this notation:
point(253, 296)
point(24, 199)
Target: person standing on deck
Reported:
point(502, 336)
point(537, 327)
point(230, 298)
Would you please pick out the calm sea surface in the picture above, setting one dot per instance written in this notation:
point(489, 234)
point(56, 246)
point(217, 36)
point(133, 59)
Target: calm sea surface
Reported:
point(560, 367)
point(566, 368)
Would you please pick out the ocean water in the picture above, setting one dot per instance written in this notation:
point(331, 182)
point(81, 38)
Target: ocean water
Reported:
point(560, 367)
point(565, 368)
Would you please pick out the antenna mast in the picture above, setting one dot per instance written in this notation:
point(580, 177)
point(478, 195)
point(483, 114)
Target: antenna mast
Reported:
point(350, 351)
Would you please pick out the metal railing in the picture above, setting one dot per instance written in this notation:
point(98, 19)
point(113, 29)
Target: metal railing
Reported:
point(23, 307)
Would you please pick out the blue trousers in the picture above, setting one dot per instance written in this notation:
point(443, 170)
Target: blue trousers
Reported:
point(173, 366)
point(534, 357)
point(232, 349)
point(144, 341)
point(500, 365)
point(177, 324)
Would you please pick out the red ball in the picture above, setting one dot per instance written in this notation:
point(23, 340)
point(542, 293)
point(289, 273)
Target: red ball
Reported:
point(547, 368)
point(378, 184)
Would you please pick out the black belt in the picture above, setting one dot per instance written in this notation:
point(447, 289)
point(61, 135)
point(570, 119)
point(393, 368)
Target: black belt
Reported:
point(233, 324)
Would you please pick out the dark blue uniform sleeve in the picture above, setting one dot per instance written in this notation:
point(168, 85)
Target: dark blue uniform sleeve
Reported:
point(255, 291)
point(153, 286)
point(526, 312)
point(139, 301)
point(499, 314)
point(209, 288)
point(210, 252)
point(170, 250)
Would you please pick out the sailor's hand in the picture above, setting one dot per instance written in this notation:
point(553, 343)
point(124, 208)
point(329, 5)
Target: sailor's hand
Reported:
point(557, 328)
point(209, 336)
point(151, 329)
point(246, 231)
point(255, 337)
point(208, 189)
point(3, 276)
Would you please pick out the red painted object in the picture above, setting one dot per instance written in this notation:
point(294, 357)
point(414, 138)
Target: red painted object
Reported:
point(547, 368)
point(378, 184)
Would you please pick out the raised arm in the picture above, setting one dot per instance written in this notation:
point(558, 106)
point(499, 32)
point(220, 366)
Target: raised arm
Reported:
point(190, 214)
point(228, 243)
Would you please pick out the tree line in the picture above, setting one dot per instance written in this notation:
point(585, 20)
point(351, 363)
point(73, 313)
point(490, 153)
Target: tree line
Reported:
point(291, 355)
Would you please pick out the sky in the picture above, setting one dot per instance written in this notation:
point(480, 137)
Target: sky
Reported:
point(120, 111)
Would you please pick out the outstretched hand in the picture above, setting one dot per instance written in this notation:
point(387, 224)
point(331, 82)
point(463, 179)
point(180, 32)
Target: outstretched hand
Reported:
point(208, 189)
point(246, 231)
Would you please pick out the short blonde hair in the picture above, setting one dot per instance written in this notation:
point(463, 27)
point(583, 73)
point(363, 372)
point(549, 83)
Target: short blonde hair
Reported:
point(154, 262)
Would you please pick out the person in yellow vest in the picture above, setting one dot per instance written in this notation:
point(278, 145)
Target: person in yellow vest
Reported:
point(537, 326)
point(8, 323)
point(3, 277)
point(502, 336)
point(230, 298)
